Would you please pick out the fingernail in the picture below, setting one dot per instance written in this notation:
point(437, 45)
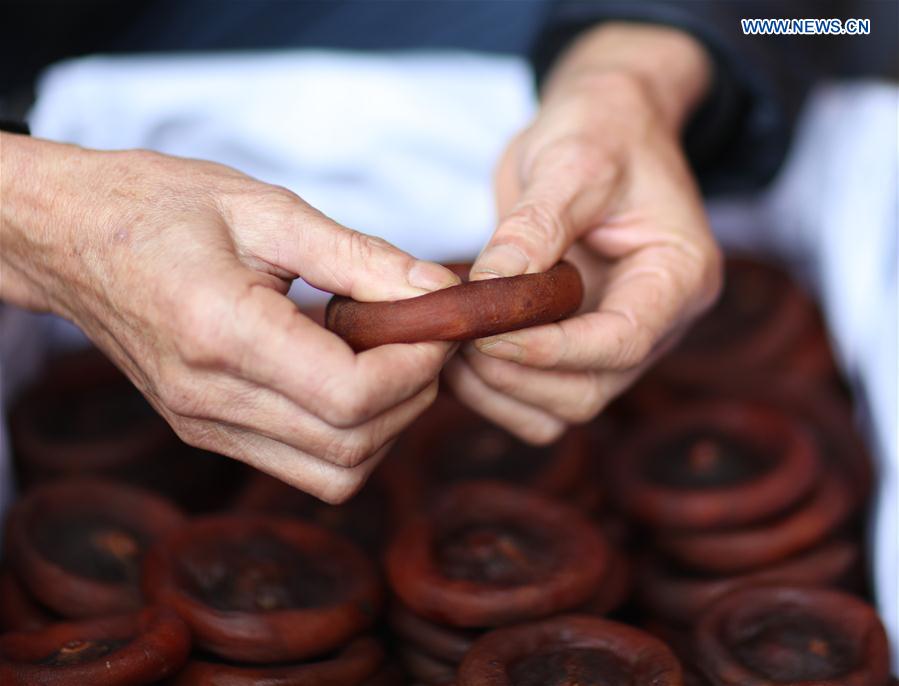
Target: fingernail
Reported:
point(429, 276)
point(499, 347)
point(501, 260)
point(453, 349)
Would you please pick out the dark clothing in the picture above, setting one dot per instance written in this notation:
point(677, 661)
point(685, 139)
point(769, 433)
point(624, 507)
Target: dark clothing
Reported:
point(736, 140)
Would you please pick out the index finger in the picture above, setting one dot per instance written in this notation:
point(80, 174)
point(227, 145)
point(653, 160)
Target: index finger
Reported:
point(570, 186)
point(266, 339)
point(649, 294)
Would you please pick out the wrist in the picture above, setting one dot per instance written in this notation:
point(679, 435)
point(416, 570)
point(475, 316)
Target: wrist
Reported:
point(37, 217)
point(665, 68)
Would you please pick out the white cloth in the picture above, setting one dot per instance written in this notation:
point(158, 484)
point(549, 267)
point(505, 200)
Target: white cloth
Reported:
point(833, 213)
point(402, 146)
point(397, 146)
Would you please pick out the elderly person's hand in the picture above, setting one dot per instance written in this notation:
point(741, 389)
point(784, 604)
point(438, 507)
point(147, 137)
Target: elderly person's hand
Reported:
point(598, 178)
point(179, 270)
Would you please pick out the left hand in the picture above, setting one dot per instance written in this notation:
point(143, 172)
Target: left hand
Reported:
point(598, 178)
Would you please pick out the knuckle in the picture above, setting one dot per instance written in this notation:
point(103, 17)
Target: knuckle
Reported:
point(199, 336)
point(362, 247)
point(342, 486)
point(345, 407)
point(195, 434)
point(712, 275)
point(425, 399)
point(537, 224)
point(349, 450)
point(698, 276)
point(176, 393)
point(619, 89)
point(499, 376)
point(641, 346)
point(198, 349)
point(582, 160)
point(272, 196)
point(634, 348)
point(542, 432)
point(261, 203)
point(546, 350)
point(585, 157)
point(584, 406)
point(283, 195)
point(429, 394)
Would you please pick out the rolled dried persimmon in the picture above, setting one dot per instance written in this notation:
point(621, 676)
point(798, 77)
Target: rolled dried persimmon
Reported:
point(426, 669)
point(83, 416)
point(451, 443)
point(122, 650)
point(770, 635)
point(678, 595)
point(715, 465)
point(760, 322)
point(78, 544)
point(460, 313)
point(351, 665)
point(569, 649)
point(442, 642)
point(19, 611)
point(264, 589)
point(367, 519)
point(489, 554)
point(753, 547)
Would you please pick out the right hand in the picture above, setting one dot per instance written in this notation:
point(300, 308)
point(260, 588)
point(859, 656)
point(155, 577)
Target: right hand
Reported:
point(178, 269)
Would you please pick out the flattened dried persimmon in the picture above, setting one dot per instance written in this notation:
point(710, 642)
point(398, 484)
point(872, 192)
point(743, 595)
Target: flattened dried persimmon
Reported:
point(570, 649)
point(264, 589)
point(748, 548)
point(347, 666)
point(19, 611)
point(367, 518)
point(489, 554)
point(124, 650)
point(715, 465)
point(761, 317)
point(84, 416)
point(450, 443)
point(78, 544)
point(446, 643)
point(771, 635)
point(680, 595)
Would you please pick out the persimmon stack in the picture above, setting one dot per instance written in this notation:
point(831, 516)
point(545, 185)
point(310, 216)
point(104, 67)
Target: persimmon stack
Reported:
point(732, 492)
point(76, 546)
point(270, 598)
point(368, 519)
point(487, 555)
point(763, 322)
point(724, 494)
point(570, 649)
point(123, 650)
point(84, 418)
point(771, 635)
point(450, 444)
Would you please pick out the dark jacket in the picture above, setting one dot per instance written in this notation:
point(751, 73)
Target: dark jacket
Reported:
point(736, 140)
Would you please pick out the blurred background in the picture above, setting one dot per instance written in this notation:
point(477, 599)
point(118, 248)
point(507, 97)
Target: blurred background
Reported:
point(389, 117)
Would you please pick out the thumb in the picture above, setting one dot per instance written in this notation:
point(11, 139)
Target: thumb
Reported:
point(568, 193)
point(339, 260)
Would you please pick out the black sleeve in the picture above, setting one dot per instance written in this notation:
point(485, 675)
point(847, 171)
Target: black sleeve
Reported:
point(738, 137)
point(36, 33)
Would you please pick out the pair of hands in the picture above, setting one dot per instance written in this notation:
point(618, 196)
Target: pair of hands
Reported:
point(179, 270)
